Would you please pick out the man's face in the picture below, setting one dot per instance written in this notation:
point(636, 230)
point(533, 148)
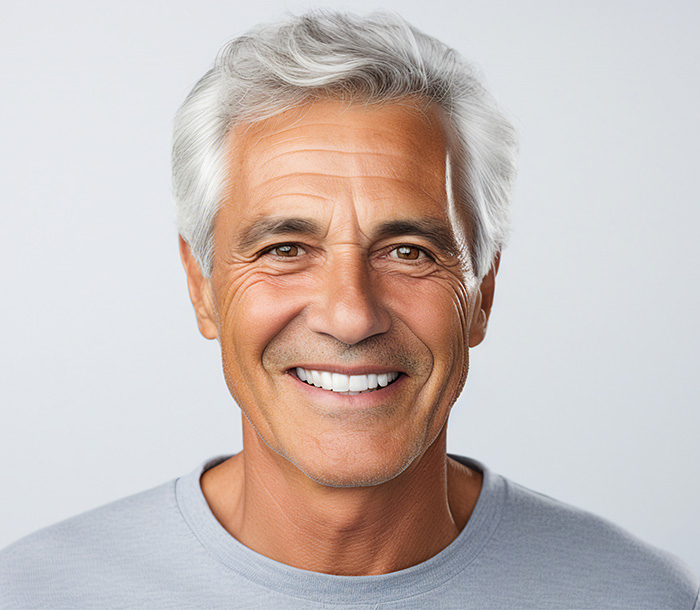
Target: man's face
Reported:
point(336, 262)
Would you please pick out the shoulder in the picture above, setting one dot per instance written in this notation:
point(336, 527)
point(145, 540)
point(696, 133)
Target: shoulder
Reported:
point(77, 557)
point(563, 547)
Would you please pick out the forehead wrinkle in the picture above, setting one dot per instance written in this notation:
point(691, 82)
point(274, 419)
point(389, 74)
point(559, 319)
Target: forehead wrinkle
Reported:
point(394, 149)
point(335, 151)
point(361, 167)
point(280, 123)
point(370, 190)
point(324, 129)
point(388, 134)
point(316, 187)
point(295, 175)
point(299, 194)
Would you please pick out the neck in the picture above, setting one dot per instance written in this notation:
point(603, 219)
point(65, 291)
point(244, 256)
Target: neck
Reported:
point(271, 507)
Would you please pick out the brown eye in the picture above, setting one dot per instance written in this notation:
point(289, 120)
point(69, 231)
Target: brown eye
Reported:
point(287, 250)
point(407, 253)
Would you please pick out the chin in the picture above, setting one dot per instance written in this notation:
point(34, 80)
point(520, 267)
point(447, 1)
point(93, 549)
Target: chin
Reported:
point(351, 478)
point(355, 467)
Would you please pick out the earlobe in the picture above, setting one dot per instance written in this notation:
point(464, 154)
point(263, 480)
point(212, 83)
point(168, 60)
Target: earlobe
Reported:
point(200, 292)
point(483, 304)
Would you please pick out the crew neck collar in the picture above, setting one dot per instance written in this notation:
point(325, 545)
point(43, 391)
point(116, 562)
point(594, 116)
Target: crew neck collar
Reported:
point(321, 587)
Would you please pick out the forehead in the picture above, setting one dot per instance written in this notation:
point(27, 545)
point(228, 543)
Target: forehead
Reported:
point(378, 160)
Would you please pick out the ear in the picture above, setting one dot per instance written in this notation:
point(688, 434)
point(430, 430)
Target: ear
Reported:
point(200, 293)
point(482, 307)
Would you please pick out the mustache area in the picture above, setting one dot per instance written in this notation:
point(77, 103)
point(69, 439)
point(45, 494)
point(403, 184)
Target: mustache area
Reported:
point(405, 355)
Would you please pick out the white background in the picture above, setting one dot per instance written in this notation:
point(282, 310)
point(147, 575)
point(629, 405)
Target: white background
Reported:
point(586, 388)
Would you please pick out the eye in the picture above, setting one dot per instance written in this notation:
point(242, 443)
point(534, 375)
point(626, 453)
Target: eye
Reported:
point(287, 250)
point(408, 253)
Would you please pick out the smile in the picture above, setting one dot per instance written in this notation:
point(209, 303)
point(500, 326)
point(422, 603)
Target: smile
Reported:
point(346, 384)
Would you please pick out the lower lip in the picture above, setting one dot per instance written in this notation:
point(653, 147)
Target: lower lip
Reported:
point(361, 400)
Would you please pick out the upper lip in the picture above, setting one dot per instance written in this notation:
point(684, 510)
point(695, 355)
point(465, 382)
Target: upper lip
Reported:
point(359, 369)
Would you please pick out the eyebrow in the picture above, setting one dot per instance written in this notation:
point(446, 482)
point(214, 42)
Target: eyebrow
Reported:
point(433, 230)
point(263, 228)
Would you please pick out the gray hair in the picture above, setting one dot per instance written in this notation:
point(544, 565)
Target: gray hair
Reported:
point(325, 54)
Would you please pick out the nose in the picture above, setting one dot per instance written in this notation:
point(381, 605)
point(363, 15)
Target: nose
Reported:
point(347, 306)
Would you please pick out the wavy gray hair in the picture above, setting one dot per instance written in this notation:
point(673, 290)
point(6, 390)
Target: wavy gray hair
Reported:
point(324, 54)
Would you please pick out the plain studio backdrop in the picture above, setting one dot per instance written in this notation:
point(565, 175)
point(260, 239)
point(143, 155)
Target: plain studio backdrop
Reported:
point(586, 387)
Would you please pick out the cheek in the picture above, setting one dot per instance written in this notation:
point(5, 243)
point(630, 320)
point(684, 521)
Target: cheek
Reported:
point(256, 308)
point(437, 310)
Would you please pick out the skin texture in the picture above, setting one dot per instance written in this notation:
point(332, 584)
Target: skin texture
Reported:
point(312, 269)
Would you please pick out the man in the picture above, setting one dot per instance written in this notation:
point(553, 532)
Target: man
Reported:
point(342, 189)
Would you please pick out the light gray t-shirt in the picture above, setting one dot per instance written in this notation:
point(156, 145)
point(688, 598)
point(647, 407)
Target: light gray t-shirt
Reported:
point(163, 548)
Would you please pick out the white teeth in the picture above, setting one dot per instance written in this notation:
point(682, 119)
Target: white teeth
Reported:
point(358, 383)
point(341, 383)
point(346, 384)
point(385, 379)
point(326, 380)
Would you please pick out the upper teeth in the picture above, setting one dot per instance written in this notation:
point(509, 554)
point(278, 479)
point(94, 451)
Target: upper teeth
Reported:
point(337, 382)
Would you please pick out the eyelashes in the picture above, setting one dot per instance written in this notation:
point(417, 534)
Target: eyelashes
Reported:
point(409, 252)
point(286, 250)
